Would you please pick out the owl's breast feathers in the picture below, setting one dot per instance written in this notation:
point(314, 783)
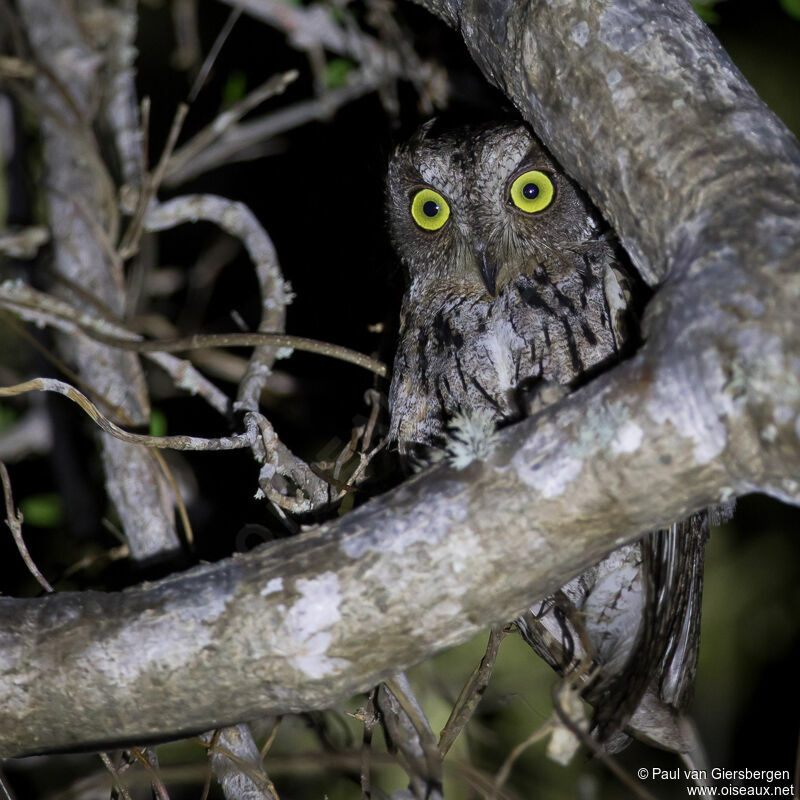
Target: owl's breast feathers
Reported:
point(466, 351)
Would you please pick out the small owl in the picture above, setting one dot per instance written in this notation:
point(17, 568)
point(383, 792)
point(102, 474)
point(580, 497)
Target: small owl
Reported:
point(515, 296)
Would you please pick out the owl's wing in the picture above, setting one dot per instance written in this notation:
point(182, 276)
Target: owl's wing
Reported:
point(678, 556)
point(636, 615)
point(656, 684)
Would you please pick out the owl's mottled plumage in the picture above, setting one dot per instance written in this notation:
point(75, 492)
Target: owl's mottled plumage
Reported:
point(501, 306)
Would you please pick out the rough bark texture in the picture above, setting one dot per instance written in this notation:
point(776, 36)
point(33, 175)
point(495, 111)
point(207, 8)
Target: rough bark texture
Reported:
point(81, 199)
point(639, 102)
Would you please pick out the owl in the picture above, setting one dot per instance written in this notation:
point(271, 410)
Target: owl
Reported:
point(516, 295)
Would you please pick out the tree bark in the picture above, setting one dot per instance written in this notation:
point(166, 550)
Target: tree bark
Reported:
point(87, 79)
point(639, 102)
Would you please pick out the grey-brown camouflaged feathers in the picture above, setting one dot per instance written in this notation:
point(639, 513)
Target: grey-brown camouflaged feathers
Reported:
point(552, 311)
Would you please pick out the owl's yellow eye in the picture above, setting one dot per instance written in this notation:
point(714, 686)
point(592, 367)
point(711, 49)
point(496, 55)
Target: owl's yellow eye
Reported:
point(532, 191)
point(429, 209)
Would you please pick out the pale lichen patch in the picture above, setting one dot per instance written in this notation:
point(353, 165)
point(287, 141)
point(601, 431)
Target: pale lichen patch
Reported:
point(305, 637)
point(552, 478)
point(273, 585)
point(628, 438)
point(580, 34)
point(698, 417)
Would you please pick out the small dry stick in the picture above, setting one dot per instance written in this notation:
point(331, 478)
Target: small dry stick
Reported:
point(235, 442)
point(159, 790)
point(471, 694)
point(176, 492)
point(130, 241)
point(370, 720)
point(14, 522)
point(505, 769)
point(400, 688)
point(202, 341)
point(270, 739)
point(205, 69)
point(115, 777)
point(117, 411)
point(255, 774)
point(274, 86)
point(210, 773)
point(44, 309)
point(597, 750)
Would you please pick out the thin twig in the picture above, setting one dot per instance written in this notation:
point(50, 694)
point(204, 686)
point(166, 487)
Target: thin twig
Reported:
point(115, 777)
point(130, 241)
point(205, 68)
point(505, 769)
point(155, 779)
point(410, 731)
point(471, 694)
point(118, 412)
point(114, 554)
point(176, 493)
point(14, 521)
point(210, 772)
point(276, 85)
point(270, 739)
point(255, 773)
point(248, 140)
point(597, 749)
point(235, 442)
point(255, 339)
point(41, 308)
point(370, 719)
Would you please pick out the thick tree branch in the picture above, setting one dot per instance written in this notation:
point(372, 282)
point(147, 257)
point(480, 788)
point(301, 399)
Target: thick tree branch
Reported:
point(72, 53)
point(639, 102)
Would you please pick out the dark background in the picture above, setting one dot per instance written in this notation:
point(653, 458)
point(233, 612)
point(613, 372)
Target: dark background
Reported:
point(320, 197)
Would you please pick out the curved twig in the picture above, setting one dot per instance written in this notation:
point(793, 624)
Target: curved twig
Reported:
point(163, 442)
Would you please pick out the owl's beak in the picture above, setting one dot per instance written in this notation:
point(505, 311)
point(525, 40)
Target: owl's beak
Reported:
point(489, 269)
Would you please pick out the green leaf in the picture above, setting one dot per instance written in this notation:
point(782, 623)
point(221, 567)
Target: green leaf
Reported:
point(158, 423)
point(336, 72)
point(234, 88)
point(42, 510)
point(791, 7)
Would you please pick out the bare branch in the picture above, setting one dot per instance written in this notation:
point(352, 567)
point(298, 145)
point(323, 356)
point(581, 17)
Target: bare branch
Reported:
point(84, 217)
point(14, 522)
point(200, 141)
point(169, 442)
point(248, 140)
point(471, 694)
point(236, 762)
point(44, 309)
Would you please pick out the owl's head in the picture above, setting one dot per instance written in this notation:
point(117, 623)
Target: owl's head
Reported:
point(472, 208)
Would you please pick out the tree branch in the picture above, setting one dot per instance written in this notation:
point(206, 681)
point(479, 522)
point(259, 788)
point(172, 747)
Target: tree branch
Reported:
point(640, 103)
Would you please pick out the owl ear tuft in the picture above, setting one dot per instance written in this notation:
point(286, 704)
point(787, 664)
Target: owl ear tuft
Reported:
point(421, 133)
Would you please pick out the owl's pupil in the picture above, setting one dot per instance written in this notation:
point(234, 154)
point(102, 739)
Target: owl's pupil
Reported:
point(430, 209)
point(530, 190)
